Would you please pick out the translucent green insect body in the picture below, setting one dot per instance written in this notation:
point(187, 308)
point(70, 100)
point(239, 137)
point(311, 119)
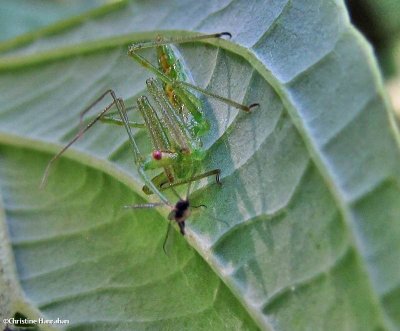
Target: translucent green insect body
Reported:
point(174, 119)
point(175, 123)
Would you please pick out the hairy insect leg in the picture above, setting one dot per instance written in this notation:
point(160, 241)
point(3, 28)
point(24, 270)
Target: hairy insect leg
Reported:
point(178, 83)
point(138, 158)
point(170, 117)
point(133, 52)
point(94, 103)
point(176, 40)
point(155, 127)
point(81, 131)
point(110, 117)
point(145, 205)
point(157, 131)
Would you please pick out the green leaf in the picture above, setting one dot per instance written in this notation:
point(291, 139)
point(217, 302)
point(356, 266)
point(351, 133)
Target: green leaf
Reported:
point(21, 16)
point(310, 190)
point(393, 85)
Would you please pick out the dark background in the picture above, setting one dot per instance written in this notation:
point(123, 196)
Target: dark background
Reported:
point(379, 21)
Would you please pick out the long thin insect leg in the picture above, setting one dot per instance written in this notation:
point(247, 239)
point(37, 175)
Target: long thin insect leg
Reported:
point(78, 135)
point(145, 205)
point(163, 77)
point(215, 172)
point(138, 159)
point(170, 119)
point(216, 96)
point(104, 118)
point(156, 129)
point(166, 238)
point(160, 41)
point(111, 119)
point(115, 112)
point(95, 102)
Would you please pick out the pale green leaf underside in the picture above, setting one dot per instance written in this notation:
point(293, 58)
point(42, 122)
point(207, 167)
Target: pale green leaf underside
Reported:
point(21, 16)
point(310, 189)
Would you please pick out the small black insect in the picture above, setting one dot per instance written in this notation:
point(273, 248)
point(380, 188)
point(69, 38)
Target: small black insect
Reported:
point(180, 213)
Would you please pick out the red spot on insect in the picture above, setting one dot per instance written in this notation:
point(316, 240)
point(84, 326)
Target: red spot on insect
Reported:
point(157, 155)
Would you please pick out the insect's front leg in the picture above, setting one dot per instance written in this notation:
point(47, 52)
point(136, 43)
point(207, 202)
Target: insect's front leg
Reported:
point(137, 156)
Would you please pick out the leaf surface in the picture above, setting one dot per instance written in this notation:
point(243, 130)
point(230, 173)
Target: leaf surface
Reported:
point(22, 16)
point(310, 190)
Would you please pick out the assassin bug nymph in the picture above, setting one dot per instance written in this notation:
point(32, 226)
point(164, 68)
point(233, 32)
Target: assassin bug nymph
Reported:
point(174, 121)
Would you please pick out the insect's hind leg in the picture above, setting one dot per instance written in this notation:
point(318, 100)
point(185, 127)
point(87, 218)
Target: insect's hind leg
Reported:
point(245, 108)
point(110, 117)
point(133, 52)
point(81, 131)
point(181, 85)
point(175, 40)
point(137, 156)
point(94, 103)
